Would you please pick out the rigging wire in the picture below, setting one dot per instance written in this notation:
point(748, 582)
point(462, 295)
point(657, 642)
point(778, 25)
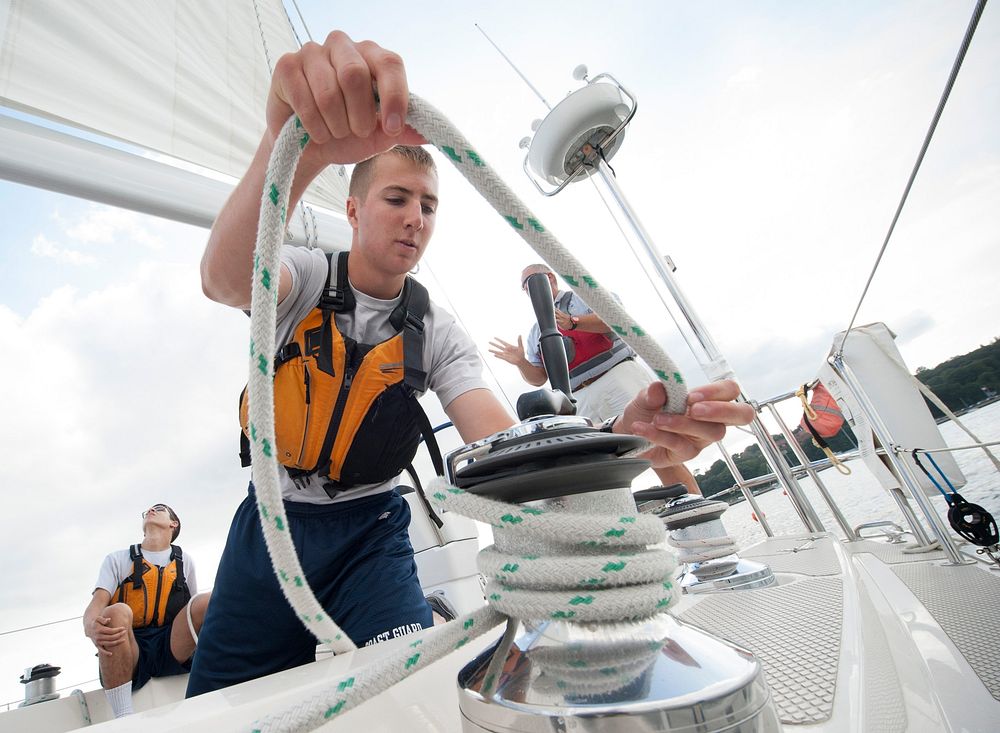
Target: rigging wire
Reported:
point(511, 63)
point(898, 449)
point(305, 211)
point(970, 31)
point(642, 267)
point(305, 26)
point(455, 312)
point(38, 626)
point(263, 37)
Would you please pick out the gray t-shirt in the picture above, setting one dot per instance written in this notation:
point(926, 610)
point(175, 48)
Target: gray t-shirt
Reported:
point(451, 360)
point(118, 565)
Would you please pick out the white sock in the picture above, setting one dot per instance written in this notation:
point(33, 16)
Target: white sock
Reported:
point(120, 699)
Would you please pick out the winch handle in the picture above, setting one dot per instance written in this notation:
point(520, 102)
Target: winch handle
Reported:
point(550, 340)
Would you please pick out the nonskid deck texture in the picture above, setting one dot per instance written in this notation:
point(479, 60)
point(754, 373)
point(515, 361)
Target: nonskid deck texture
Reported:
point(963, 600)
point(797, 629)
point(812, 555)
point(893, 554)
point(794, 630)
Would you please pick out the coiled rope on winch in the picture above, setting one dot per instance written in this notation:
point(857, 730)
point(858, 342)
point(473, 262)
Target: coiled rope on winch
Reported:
point(632, 582)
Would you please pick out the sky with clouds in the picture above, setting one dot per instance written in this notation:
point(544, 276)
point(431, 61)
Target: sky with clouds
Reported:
point(772, 143)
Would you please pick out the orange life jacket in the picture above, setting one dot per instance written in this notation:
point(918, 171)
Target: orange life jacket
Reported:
point(156, 595)
point(345, 410)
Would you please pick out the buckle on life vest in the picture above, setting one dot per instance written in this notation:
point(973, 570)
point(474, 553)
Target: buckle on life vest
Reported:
point(333, 299)
point(286, 353)
point(337, 295)
point(414, 322)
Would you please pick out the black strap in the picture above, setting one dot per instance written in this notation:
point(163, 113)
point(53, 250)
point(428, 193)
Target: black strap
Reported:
point(397, 319)
point(337, 295)
point(244, 440)
point(286, 353)
point(423, 497)
point(135, 553)
point(435, 453)
point(817, 438)
point(428, 432)
point(177, 555)
point(417, 301)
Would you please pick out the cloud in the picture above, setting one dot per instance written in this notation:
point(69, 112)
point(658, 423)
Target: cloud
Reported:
point(747, 77)
point(99, 225)
point(42, 246)
point(105, 225)
point(120, 397)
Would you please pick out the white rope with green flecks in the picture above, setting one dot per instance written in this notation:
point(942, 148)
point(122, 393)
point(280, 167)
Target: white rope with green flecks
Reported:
point(430, 123)
point(604, 571)
point(612, 588)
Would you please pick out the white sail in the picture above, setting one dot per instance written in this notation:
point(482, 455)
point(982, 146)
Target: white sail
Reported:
point(190, 78)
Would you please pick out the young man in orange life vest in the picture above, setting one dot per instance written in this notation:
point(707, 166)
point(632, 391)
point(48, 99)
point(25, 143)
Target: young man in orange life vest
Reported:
point(604, 375)
point(351, 531)
point(141, 617)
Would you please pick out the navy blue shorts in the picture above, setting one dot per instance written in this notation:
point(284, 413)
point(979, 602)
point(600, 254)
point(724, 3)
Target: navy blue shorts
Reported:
point(358, 560)
point(155, 658)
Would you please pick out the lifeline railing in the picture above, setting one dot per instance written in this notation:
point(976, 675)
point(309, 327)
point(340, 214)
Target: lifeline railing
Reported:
point(806, 467)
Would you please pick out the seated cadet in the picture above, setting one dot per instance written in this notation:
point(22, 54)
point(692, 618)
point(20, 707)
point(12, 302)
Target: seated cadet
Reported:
point(144, 615)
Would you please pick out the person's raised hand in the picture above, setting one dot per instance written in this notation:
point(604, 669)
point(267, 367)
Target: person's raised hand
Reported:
point(508, 352)
point(330, 86)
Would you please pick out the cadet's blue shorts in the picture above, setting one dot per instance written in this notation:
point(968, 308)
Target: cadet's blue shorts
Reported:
point(155, 657)
point(358, 560)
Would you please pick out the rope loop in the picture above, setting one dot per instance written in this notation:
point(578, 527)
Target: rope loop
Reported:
point(615, 576)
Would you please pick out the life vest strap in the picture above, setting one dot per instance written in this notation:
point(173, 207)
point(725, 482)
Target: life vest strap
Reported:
point(337, 296)
point(414, 374)
point(135, 555)
point(177, 555)
point(245, 459)
point(435, 453)
point(286, 353)
point(407, 316)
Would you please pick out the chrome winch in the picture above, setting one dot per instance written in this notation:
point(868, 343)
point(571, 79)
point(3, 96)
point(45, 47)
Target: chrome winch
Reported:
point(695, 528)
point(652, 673)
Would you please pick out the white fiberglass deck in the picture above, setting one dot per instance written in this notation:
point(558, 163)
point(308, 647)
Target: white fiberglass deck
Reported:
point(855, 637)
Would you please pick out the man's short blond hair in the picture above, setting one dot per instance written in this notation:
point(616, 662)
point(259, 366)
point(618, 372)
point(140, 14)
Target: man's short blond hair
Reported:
point(361, 177)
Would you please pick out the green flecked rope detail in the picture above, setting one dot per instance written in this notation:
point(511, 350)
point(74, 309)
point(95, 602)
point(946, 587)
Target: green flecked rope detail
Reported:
point(614, 601)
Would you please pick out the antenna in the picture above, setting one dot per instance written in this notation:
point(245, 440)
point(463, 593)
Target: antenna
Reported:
point(523, 77)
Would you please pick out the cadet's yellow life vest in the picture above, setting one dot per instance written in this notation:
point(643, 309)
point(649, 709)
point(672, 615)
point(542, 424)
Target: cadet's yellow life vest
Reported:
point(345, 410)
point(156, 595)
